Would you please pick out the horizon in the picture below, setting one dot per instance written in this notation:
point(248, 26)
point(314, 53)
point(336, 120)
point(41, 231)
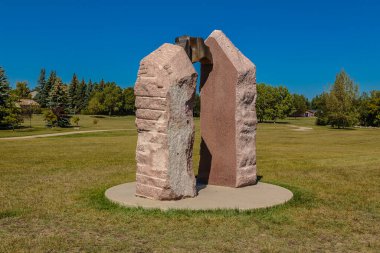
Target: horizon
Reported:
point(304, 45)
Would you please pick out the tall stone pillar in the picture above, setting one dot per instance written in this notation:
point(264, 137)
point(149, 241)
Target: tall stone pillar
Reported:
point(228, 116)
point(164, 90)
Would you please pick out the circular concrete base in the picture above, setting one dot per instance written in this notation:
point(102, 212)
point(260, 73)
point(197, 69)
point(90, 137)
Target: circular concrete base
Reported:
point(256, 196)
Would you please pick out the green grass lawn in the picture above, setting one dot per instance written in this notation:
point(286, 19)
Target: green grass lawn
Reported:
point(86, 122)
point(52, 195)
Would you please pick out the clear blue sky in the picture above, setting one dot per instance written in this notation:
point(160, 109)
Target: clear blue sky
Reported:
point(299, 44)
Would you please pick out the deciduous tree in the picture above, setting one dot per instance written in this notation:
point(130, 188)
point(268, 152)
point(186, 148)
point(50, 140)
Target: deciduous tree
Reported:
point(112, 98)
point(75, 120)
point(341, 101)
point(96, 103)
point(272, 102)
point(369, 109)
point(318, 103)
point(299, 105)
point(22, 90)
point(129, 101)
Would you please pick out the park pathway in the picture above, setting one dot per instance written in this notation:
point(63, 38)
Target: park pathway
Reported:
point(300, 128)
point(61, 134)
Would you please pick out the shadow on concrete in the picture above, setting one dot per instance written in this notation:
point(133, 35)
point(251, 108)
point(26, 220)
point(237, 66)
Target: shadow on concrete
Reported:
point(201, 186)
point(204, 163)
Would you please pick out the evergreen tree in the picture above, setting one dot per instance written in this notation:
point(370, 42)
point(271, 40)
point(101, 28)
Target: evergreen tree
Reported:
point(41, 83)
point(58, 101)
point(100, 86)
point(89, 90)
point(51, 80)
point(58, 96)
point(4, 88)
point(73, 87)
point(10, 114)
point(81, 94)
point(45, 92)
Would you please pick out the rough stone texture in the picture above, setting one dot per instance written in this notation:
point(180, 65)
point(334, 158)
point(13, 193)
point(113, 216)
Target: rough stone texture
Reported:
point(164, 90)
point(228, 116)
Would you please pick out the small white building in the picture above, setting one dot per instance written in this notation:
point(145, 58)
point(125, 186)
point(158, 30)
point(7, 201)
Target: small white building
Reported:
point(310, 113)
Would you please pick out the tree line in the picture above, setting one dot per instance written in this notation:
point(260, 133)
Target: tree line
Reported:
point(276, 102)
point(84, 97)
point(341, 106)
point(60, 101)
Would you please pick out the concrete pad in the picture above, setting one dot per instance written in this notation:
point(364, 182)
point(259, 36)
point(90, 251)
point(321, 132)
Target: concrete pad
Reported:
point(209, 197)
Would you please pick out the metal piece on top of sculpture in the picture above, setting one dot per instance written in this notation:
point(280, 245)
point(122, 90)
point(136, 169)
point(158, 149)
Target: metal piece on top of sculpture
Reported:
point(228, 116)
point(164, 90)
point(195, 48)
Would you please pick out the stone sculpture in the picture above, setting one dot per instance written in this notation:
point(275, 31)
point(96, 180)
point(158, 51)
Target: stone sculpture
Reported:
point(165, 90)
point(228, 116)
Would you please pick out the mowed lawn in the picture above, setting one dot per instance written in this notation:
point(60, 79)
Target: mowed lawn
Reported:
point(86, 123)
point(52, 195)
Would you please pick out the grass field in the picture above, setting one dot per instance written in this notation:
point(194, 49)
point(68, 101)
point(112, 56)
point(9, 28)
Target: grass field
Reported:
point(52, 195)
point(86, 122)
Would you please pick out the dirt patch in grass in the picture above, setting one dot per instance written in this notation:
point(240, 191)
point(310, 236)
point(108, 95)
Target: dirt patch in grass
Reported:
point(300, 128)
